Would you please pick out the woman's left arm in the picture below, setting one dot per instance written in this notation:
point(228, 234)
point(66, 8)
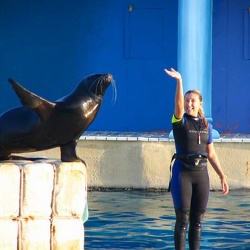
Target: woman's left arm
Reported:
point(213, 159)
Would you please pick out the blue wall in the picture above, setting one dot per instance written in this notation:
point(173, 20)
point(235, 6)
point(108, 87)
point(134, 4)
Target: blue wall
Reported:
point(231, 66)
point(48, 46)
point(40, 47)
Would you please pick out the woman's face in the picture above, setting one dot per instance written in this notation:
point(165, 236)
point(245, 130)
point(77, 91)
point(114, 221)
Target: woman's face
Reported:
point(192, 104)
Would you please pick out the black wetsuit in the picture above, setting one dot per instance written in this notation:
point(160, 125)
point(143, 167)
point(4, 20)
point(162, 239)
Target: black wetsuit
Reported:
point(190, 181)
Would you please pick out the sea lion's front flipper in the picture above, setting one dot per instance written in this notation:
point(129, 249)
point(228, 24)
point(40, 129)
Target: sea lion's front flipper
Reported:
point(32, 101)
point(68, 152)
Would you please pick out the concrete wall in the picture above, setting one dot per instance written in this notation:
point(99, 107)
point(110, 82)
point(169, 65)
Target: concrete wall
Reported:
point(145, 164)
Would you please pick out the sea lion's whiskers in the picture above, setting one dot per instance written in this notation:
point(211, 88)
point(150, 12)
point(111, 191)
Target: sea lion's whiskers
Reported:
point(101, 81)
point(94, 82)
point(114, 96)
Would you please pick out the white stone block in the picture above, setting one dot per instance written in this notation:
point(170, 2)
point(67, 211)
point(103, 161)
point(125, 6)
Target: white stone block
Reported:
point(9, 189)
point(35, 234)
point(38, 182)
point(8, 234)
point(68, 234)
point(70, 189)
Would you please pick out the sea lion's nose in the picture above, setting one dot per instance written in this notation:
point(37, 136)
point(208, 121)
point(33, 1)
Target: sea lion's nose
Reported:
point(108, 77)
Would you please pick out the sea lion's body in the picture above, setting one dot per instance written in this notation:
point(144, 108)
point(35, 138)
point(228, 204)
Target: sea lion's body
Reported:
point(40, 124)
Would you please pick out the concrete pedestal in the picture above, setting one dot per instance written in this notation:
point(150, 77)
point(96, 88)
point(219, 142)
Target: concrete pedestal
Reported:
point(42, 204)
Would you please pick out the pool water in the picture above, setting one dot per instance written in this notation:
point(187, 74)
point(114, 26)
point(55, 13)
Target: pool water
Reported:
point(145, 220)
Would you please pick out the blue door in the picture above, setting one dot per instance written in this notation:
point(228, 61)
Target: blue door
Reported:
point(145, 93)
point(231, 66)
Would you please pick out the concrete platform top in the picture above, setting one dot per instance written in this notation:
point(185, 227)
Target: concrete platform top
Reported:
point(152, 136)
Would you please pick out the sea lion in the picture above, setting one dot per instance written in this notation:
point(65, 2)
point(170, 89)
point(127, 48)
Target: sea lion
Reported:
point(40, 124)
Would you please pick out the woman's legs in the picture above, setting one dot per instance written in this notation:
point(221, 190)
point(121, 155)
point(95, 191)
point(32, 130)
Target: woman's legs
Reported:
point(181, 224)
point(198, 207)
point(194, 234)
point(181, 189)
point(190, 191)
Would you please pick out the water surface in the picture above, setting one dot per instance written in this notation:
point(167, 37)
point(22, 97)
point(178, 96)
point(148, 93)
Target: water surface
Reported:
point(145, 220)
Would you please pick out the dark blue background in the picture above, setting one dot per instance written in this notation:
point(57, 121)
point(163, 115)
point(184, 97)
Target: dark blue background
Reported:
point(48, 46)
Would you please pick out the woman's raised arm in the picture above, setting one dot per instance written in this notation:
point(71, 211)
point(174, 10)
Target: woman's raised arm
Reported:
point(179, 96)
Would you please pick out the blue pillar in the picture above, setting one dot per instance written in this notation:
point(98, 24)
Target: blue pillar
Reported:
point(195, 49)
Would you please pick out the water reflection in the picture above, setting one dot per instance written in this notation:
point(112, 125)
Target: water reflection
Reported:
point(145, 220)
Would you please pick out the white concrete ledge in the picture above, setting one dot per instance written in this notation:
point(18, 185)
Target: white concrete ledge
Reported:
point(144, 163)
point(153, 136)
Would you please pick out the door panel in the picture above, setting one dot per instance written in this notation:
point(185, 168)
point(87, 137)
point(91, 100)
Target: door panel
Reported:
point(231, 66)
point(150, 46)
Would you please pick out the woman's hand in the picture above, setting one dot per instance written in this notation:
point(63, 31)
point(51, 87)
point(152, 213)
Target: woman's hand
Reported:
point(213, 159)
point(224, 185)
point(173, 73)
point(179, 97)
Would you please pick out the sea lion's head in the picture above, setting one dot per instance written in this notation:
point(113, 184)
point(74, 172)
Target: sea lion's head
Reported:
point(98, 83)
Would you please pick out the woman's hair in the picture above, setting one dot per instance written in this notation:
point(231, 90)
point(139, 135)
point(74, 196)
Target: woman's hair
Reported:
point(200, 112)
